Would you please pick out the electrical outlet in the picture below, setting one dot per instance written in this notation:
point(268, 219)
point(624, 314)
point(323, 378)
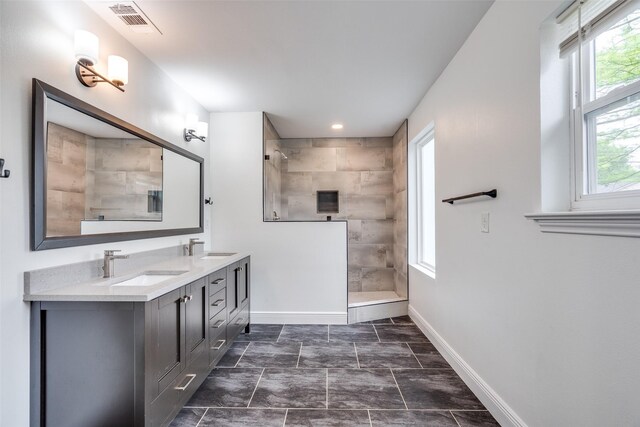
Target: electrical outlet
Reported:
point(484, 222)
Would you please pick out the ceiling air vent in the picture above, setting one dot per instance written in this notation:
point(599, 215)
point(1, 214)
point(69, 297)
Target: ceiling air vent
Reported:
point(133, 17)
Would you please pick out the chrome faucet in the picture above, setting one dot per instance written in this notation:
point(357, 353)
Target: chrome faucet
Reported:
point(275, 216)
point(109, 262)
point(192, 244)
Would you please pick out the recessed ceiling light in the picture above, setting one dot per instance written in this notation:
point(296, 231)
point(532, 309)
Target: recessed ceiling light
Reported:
point(336, 126)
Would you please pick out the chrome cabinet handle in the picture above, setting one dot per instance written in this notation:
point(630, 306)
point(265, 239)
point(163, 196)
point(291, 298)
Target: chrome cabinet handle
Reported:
point(216, 302)
point(215, 282)
point(184, 387)
point(239, 320)
point(187, 298)
point(239, 269)
point(220, 346)
point(218, 324)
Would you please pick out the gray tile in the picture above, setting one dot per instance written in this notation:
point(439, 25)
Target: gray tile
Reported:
point(435, 389)
point(304, 333)
point(261, 333)
point(386, 321)
point(302, 207)
point(412, 418)
point(402, 320)
point(295, 143)
point(327, 418)
point(243, 418)
point(363, 389)
point(475, 419)
point(386, 355)
point(268, 355)
point(400, 333)
point(328, 355)
point(428, 356)
point(188, 417)
point(354, 277)
point(226, 388)
point(232, 355)
point(352, 333)
point(291, 388)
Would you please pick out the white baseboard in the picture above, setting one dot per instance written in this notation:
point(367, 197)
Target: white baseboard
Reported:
point(299, 318)
point(491, 400)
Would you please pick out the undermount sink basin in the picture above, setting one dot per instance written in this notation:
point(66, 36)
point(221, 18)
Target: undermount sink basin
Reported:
point(150, 278)
point(218, 255)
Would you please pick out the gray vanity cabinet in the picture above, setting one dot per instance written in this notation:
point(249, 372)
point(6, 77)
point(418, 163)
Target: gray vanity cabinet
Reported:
point(197, 320)
point(238, 287)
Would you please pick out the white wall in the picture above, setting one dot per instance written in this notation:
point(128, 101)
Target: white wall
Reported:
point(36, 40)
point(549, 321)
point(299, 270)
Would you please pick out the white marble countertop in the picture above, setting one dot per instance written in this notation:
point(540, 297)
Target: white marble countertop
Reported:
point(101, 290)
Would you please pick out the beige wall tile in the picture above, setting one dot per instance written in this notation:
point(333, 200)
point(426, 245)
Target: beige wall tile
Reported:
point(378, 279)
point(367, 255)
point(355, 231)
point(366, 207)
point(376, 182)
point(363, 159)
point(378, 142)
point(377, 231)
point(310, 159)
point(344, 182)
point(296, 183)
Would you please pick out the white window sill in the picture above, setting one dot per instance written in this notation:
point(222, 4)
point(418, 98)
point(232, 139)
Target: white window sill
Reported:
point(424, 270)
point(598, 223)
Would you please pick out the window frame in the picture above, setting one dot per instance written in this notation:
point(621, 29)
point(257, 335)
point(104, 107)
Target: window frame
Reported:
point(582, 149)
point(426, 137)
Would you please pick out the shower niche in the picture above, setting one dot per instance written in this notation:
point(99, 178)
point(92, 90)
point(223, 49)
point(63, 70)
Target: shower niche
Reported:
point(362, 181)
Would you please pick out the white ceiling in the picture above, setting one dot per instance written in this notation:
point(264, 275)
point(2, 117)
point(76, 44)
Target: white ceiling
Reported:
point(308, 64)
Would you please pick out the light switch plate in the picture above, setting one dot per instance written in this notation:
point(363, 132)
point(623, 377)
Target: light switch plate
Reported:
point(484, 222)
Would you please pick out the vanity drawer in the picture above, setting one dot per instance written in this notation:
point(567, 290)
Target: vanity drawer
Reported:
point(217, 323)
point(217, 281)
point(238, 323)
point(217, 302)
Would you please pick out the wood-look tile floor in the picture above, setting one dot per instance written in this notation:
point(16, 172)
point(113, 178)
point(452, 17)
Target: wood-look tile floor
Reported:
point(380, 373)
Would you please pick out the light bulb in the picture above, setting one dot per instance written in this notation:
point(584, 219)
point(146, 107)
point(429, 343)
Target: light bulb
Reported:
point(118, 70)
point(86, 47)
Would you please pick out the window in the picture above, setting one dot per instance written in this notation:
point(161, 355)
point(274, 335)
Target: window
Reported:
point(425, 201)
point(605, 61)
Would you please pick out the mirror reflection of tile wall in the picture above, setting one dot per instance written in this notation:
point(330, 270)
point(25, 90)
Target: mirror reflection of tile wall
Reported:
point(98, 179)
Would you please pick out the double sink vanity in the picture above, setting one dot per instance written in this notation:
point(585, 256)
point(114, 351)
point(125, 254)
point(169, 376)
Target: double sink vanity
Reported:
point(131, 349)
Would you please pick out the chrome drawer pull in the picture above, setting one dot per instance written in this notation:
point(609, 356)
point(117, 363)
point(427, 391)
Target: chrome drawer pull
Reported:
point(183, 388)
point(187, 298)
point(215, 282)
point(239, 320)
point(220, 346)
point(216, 302)
point(218, 324)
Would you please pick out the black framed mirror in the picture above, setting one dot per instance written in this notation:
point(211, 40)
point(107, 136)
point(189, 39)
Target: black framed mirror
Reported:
point(99, 179)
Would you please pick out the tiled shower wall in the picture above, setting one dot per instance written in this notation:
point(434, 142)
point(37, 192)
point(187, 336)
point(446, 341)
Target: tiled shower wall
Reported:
point(400, 176)
point(361, 169)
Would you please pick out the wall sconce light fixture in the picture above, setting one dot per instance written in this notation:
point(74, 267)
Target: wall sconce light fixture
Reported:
point(86, 48)
point(195, 129)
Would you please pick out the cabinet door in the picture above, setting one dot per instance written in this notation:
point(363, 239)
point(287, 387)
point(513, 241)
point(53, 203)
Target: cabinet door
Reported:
point(197, 318)
point(168, 357)
point(243, 282)
point(232, 290)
